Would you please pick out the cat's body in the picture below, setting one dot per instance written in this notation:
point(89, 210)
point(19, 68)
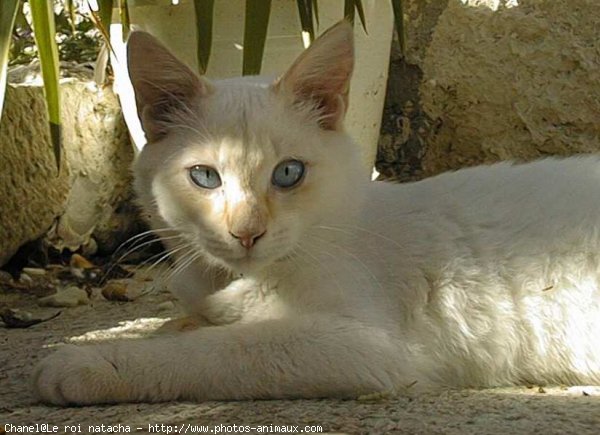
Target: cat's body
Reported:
point(335, 286)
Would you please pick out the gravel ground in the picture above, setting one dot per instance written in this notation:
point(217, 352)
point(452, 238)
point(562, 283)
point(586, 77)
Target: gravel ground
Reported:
point(548, 410)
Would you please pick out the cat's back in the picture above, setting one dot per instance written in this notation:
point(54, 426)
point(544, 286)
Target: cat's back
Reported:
point(501, 195)
point(508, 253)
point(489, 214)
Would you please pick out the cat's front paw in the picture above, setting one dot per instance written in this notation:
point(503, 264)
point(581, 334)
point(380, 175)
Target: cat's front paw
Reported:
point(77, 375)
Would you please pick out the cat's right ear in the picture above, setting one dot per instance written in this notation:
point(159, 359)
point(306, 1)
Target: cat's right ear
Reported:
point(163, 85)
point(320, 76)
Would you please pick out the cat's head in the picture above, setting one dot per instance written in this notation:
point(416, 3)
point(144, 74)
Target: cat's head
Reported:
point(243, 168)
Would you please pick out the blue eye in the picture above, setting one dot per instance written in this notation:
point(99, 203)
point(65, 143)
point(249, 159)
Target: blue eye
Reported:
point(288, 173)
point(205, 176)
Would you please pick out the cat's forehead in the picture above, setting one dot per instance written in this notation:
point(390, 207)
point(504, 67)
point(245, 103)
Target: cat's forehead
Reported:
point(238, 105)
point(245, 121)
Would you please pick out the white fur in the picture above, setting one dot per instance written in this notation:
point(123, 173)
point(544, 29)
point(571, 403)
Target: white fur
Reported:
point(486, 276)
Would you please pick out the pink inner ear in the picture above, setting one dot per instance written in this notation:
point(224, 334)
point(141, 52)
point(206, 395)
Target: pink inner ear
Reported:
point(332, 109)
point(165, 88)
point(155, 119)
point(321, 75)
point(326, 91)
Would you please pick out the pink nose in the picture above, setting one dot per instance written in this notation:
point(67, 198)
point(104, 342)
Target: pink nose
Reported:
point(248, 240)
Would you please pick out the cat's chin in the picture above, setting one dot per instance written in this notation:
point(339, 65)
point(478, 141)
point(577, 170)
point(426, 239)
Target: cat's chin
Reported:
point(245, 266)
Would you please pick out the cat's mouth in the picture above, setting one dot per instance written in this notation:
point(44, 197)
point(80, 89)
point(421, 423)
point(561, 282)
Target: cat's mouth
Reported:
point(245, 262)
point(247, 265)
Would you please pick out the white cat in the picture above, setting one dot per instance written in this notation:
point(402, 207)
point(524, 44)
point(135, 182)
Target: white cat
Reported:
point(320, 283)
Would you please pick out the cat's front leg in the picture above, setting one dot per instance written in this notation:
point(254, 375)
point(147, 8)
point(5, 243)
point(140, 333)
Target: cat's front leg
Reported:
point(193, 284)
point(223, 307)
point(308, 357)
point(80, 375)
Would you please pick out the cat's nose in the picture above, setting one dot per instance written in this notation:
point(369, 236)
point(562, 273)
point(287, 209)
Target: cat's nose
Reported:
point(248, 239)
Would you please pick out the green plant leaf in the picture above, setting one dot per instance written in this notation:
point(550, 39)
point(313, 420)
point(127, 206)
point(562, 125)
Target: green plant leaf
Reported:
point(361, 14)
point(399, 23)
point(8, 14)
point(255, 35)
point(70, 5)
point(349, 10)
point(104, 17)
point(306, 17)
point(125, 21)
point(21, 21)
point(42, 15)
point(204, 25)
point(351, 7)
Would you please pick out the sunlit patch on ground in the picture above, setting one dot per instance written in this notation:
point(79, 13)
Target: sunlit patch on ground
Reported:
point(560, 391)
point(125, 329)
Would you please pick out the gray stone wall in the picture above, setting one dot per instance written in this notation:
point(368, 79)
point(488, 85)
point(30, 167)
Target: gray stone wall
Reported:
point(85, 204)
point(494, 81)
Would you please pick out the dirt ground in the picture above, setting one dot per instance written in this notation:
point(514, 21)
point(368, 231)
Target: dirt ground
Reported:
point(547, 410)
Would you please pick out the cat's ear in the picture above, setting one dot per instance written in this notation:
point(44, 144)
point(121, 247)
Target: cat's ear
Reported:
point(163, 85)
point(320, 76)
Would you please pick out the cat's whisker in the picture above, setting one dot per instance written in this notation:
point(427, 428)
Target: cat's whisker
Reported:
point(180, 265)
point(144, 244)
point(135, 240)
point(158, 280)
point(165, 276)
point(148, 233)
point(354, 227)
point(156, 259)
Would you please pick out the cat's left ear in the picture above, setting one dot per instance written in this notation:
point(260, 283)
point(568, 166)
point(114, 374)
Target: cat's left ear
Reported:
point(320, 76)
point(163, 84)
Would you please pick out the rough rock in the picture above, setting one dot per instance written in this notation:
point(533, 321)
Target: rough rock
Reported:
point(82, 204)
point(405, 127)
point(125, 289)
point(68, 297)
point(512, 80)
point(421, 16)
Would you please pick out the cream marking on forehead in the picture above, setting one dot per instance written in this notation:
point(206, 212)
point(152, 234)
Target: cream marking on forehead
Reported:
point(238, 106)
point(234, 192)
point(242, 163)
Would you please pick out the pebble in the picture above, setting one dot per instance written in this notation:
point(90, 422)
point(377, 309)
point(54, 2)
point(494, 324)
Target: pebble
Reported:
point(116, 290)
point(124, 289)
point(80, 262)
point(16, 318)
point(35, 271)
point(68, 297)
point(79, 265)
point(25, 279)
point(166, 306)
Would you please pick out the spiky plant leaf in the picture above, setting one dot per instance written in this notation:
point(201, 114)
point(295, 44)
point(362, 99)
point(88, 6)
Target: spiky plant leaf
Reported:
point(44, 32)
point(8, 14)
point(70, 5)
point(305, 11)
point(350, 9)
point(361, 14)
point(255, 35)
point(103, 18)
point(204, 25)
point(125, 21)
point(399, 23)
